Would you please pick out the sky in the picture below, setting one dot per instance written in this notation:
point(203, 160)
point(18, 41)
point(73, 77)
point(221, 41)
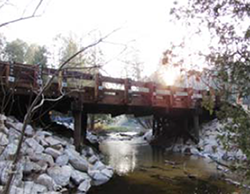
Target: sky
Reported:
point(143, 25)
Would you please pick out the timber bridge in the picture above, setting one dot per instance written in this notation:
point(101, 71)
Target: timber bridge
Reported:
point(84, 93)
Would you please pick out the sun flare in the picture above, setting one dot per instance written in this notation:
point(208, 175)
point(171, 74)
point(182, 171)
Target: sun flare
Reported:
point(170, 75)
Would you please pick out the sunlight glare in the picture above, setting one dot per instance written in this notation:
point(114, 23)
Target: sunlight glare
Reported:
point(170, 75)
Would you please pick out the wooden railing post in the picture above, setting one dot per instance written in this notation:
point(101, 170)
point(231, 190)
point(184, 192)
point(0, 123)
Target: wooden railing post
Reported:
point(190, 92)
point(127, 87)
point(172, 92)
point(152, 91)
point(7, 73)
point(11, 75)
point(62, 80)
point(98, 87)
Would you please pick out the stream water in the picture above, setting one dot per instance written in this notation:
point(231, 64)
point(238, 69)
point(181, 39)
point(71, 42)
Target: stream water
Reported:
point(141, 169)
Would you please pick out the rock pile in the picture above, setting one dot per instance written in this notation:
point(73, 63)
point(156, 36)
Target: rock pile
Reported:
point(210, 145)
point(48, 164)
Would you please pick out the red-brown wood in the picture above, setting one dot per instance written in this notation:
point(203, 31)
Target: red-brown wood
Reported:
point(132, 93)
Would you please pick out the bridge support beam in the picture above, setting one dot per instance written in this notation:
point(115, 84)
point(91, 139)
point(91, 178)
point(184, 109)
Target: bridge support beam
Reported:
point(159, 124)
point(80, 125)
point(196, 127)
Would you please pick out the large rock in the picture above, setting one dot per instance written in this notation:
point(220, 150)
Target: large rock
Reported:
point(53, 152)
point(78, 177)
point(2, 120)
point(52, 141)
point(98, 166)
point(29, 167)
point(61, 175)
point(42, 157)
point(62, 160)
point(15, 190)
point(41, 140)
point(31, 187)
point(5, 167)
point(43, 165)
point(90, 152)
point(84, 186)
point(3, 139)
point(78, 162)
point(48, 182)
point(29, 131)
point(13, 135)
point(99, 177)
point(92, 159)
point(9, 152)
point(43, 134)
point(71, 153)
point(108, 172)
point(34, 145)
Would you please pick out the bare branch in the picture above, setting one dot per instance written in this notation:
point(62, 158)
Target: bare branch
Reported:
point(30, 112)
point(33, 15)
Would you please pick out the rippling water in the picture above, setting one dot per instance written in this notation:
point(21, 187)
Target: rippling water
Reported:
point(142, 169)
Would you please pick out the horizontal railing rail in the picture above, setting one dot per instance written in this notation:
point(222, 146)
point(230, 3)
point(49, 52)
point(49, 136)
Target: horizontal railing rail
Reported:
point(98, 88)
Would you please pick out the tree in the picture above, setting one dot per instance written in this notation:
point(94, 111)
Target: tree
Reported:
point(36, 55)
point(21, 52)
point(133, 67)
point(225, 24)
point(2, 46)
point(15, 51)
point(66, 46)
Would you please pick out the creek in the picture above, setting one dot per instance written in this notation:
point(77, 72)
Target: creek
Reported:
point(142, 169)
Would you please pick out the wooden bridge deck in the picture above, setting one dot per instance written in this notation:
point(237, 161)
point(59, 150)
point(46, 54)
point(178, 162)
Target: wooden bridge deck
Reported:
point(99, 94)
point(87, 93)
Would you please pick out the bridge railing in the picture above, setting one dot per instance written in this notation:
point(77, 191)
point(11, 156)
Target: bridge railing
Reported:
point(97, 88)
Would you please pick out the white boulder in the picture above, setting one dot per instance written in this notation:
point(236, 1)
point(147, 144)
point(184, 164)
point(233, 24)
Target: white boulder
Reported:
point(62, 160)
point(42, 157)
point(98, 177)
point(48, 182)
point(34, 145)
point(3, 139)
point(53, 152)
point(60, 175)
point(84, 186)
point(78, 177)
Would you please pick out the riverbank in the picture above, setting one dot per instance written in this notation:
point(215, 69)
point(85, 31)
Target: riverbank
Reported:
point(210, 144)
point(141, 168)
point(48, 163)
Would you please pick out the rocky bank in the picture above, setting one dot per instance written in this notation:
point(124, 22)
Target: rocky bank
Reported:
point(210, 145)
point(48, 164)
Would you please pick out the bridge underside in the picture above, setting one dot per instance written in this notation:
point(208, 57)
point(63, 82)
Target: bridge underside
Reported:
point(172, 107)
point(170, 122)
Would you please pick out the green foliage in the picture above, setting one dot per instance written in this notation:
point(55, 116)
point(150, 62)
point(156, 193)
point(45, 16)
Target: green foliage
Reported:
point(21, 52)
point(226, 24)
point(208, 103)
point(69, 45)
point(2, 46)
point(16, 51)
point(36, 55)
point(237, 127)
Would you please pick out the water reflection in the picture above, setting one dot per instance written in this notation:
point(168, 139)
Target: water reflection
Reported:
point(148, 170)
point(127, 155)
point(122, 155)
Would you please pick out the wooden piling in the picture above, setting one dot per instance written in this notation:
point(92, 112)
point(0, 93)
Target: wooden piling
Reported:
point(80, 124)
point(196, 126)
